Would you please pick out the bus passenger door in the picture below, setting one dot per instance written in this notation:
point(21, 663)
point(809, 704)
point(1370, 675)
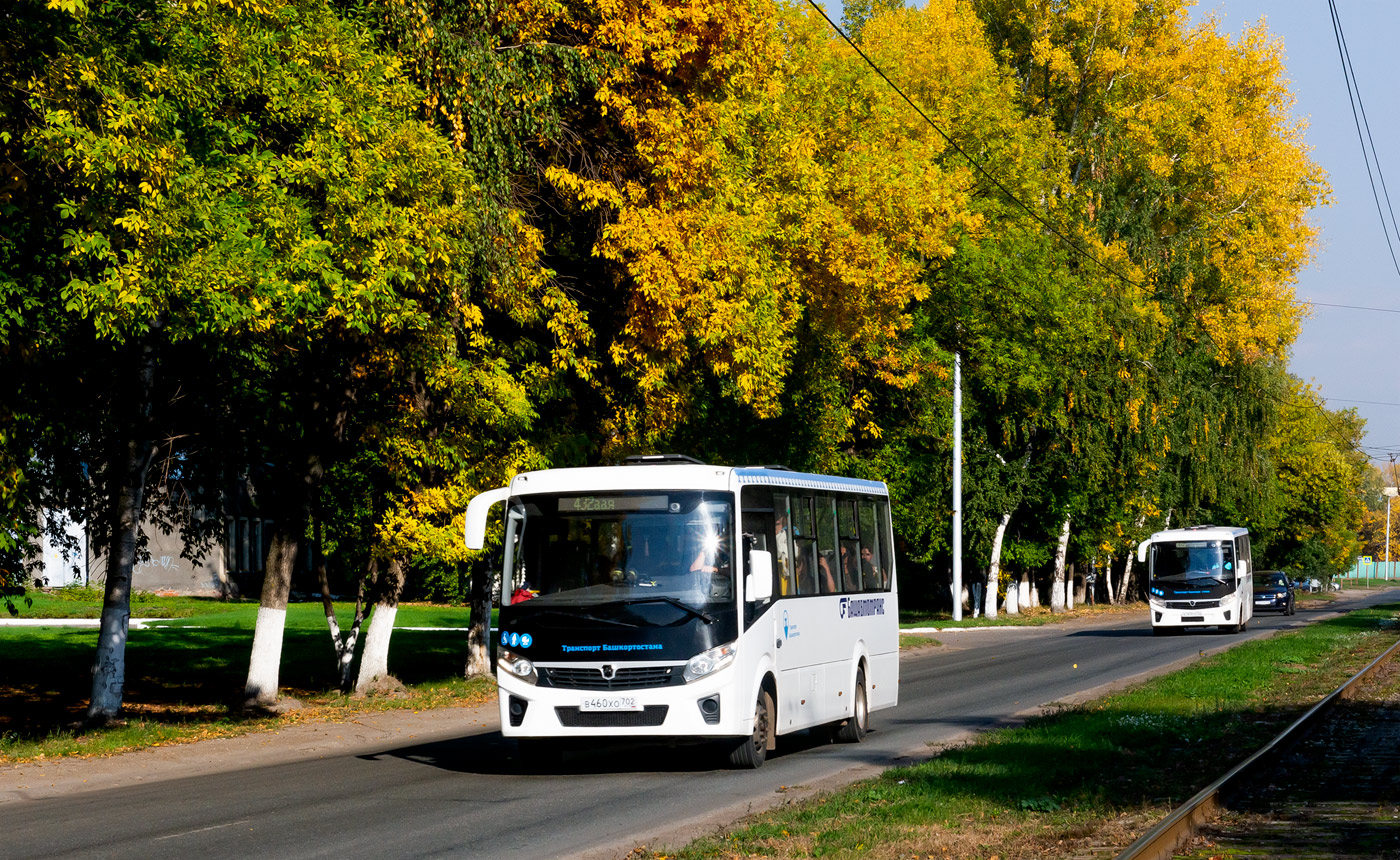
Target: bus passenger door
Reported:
point(796, 635)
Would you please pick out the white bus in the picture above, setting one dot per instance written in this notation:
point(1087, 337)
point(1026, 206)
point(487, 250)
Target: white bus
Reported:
point(626, 612)
point(1199, 577)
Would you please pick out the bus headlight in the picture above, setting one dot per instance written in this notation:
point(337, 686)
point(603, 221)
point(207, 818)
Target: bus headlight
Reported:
point(517, 666)
point(708, 662)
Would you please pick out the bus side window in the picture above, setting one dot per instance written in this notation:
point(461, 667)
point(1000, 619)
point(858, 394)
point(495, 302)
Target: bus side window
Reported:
point(804, 539)
point(785, 578)
point(849, 560)
point(882, 510)
point(872, 562)
point(828, 562)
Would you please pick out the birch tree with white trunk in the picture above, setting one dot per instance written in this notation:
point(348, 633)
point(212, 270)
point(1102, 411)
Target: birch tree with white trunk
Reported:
point(994, 569)
point(1057, 583)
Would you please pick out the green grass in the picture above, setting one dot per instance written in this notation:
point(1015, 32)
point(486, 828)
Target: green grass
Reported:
point(87, 603)
point(911, 641)
point(184, 679)
point(1069, 783)
point(1034, 617)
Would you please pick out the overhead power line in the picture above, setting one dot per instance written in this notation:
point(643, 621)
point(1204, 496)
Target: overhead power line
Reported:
point(1368, 144)
point(976, 165)
point(1011, 195)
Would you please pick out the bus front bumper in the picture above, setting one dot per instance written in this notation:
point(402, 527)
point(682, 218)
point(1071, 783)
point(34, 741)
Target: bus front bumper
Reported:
point(708, 707)
point(1164, 616)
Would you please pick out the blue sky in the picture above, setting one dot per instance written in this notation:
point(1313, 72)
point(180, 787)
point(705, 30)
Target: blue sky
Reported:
point(1345, 353)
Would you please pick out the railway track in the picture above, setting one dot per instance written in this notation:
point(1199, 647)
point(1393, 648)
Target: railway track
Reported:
point(1327, 786)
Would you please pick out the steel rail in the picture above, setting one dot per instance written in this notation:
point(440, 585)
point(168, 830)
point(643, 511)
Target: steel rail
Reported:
point(1161, 842)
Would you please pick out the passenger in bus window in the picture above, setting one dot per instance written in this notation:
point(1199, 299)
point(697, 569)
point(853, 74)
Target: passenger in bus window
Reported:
point(873, 578)
point(712, 566)
point(850, 570)
point(825, 565)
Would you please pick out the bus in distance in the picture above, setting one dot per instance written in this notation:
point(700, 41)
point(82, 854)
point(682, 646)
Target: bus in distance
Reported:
point(1199, 577)
point(667, 598)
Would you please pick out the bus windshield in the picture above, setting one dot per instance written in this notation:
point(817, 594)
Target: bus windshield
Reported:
point(606, 555)
point(1193, 561)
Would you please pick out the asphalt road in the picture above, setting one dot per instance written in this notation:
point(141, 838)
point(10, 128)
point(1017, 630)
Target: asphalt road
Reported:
point(469, 796)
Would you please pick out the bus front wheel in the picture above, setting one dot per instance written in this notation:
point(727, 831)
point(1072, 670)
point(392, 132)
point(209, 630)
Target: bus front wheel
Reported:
point(751, 752)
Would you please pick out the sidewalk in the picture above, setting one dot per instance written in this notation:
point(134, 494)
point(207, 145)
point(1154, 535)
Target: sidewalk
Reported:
point(368, 732)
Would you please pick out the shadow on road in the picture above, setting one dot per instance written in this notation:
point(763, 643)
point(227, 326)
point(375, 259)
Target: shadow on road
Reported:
point(492, 753)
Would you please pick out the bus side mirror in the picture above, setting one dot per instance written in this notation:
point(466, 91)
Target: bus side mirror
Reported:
point(477, 511)
point(758, 584)
point(1142, 549)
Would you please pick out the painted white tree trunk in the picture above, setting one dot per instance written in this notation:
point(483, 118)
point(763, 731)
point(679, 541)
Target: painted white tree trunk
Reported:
point(1108, 580)
point(374, 663)
point(994, 568)
point(1123, 582)
point(1069, 587)
point(1029, 597)
point(1057, 584)
point(483, 588)
point(1013, 595)
point(266, 660)
point(109, 663)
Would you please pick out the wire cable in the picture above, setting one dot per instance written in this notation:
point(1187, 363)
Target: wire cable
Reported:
point(1357, 116)
point(976, 165)
point(1056, 232)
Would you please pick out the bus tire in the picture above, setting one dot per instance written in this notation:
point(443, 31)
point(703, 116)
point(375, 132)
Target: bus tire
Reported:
point(852, 731)
point(750, 752)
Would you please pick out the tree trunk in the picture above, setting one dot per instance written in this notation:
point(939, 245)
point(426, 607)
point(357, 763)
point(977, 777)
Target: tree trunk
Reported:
point(1127, 575)
point(994, 568)
point(109, 664)
point(1029, 596)
point(344, 645)
point(1071, 577)
point(1013, 595)
point(374, 662)
point(1057, 584)
point(1108, 580)
point(479, 634)
point(265, 662)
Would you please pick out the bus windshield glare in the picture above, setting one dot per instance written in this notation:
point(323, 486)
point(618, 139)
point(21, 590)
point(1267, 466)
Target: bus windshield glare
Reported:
point(1188, 561)
point(573, 550)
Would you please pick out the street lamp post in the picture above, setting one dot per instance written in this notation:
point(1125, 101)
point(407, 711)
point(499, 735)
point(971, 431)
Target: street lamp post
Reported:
point(1390, 493)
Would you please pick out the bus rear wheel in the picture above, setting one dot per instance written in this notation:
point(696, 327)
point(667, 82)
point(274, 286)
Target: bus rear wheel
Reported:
point(751, 752)
point(853, 730)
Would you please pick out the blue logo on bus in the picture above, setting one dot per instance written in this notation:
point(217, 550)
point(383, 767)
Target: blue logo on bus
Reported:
point(514, 640)
point(525, 640)
point(505, 639)
point(862, 608)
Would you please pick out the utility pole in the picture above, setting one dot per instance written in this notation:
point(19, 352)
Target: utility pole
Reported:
point(1389, 494)
point(957, 486)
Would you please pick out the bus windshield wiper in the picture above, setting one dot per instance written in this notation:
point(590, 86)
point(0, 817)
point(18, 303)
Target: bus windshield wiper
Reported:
point(679, 604)
point(582, 616)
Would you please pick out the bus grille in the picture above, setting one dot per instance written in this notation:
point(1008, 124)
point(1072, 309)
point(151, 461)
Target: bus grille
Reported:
point(627, 678)
point(651, 715)
point(1193, 604)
